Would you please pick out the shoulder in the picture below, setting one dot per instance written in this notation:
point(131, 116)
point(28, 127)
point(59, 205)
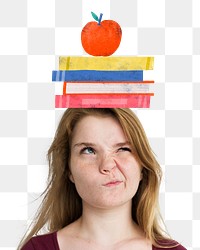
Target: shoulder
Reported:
point(42, 242)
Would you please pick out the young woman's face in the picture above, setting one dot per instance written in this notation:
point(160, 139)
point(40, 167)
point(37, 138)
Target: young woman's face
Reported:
point(103, 168)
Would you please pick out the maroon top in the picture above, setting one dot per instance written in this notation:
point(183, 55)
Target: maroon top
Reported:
point(49, 242)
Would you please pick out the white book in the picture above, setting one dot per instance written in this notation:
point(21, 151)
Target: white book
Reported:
point(101, 88)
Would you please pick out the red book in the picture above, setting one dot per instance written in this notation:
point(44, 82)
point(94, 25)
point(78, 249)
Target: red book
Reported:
point(136, 100)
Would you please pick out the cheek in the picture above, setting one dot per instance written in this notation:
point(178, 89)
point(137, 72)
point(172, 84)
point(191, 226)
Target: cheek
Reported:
point(87, 187)
point(81, 173)
point(131, 170)
point(134, 181)
point(83, 183)
point(130, 166)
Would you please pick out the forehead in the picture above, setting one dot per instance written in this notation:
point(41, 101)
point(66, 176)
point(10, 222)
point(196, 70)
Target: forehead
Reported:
point(96, 127)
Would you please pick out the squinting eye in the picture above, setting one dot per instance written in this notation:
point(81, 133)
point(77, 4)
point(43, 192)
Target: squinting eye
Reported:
point(125, 149)
point(87, 150)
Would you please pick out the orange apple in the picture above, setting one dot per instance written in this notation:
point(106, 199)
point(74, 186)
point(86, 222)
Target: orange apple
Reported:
point(101, 38)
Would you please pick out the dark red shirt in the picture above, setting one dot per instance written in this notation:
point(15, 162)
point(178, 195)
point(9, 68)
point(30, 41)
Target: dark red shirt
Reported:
point(49, 242)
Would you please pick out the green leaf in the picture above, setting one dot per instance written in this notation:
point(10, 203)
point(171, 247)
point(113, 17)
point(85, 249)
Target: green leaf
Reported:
point(95, 16)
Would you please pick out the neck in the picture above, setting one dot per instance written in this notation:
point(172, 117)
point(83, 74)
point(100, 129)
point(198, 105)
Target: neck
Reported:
point(108, 226)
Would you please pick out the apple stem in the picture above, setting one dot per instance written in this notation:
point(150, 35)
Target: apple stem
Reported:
point(100, 18)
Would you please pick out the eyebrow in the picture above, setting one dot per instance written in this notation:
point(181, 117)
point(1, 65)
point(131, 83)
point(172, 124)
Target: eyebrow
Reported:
point(89, 144)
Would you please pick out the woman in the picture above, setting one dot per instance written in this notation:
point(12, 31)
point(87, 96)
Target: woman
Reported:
point(103, 186)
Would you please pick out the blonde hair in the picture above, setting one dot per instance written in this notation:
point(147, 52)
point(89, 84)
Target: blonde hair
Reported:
point(62, 205)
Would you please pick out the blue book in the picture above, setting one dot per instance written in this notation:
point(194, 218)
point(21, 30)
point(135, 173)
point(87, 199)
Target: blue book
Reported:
point(96, 76)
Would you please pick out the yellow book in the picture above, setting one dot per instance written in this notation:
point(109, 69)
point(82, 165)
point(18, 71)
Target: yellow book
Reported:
point(105, 63)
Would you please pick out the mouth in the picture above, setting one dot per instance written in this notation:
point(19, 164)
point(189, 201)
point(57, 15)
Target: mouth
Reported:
point(112, 183)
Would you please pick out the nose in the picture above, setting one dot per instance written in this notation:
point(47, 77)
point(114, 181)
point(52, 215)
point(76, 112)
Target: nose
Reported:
point(107, 164)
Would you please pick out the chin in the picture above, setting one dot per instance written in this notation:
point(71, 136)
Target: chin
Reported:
point(111, 203)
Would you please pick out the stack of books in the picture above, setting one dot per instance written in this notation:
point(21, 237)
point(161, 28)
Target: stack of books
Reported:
point(102, 82)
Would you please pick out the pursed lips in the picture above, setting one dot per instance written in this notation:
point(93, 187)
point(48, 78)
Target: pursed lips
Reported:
point(112, 183)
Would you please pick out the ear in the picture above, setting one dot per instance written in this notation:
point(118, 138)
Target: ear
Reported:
point(71, 177)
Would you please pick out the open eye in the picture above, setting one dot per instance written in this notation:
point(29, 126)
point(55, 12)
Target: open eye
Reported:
point(124, 149)
point(87, 150)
